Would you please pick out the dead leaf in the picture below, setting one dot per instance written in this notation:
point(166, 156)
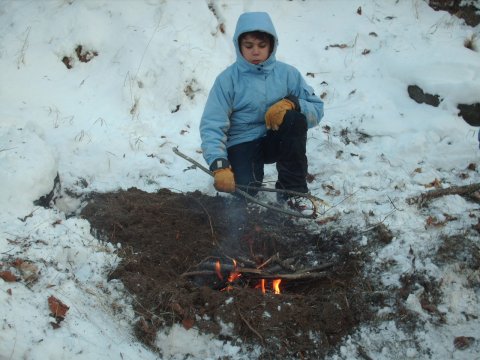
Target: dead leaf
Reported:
point(437, 184)
point(359, 10)
point(188, 323)
point(429, 307)
point(366, 51)
point(29, 271)
point(463, 342)
point(17, 262)
point(9, 292)
point(472, 167)
point(8, 276)
point(57, 308)
point(432, 221)
point(55, 325)
point(327, 220)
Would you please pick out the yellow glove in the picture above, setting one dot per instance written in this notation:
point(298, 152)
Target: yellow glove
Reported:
point(276, 113)
point(224, 180)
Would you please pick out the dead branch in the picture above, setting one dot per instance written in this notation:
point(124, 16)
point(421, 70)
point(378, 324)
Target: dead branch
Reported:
point(272, 258)
point(294, 276)
point(433, 194)
point(317, 268)
point(313, 273)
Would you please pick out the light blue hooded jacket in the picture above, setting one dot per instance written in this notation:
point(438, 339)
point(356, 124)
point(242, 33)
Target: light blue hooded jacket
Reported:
point(242, 93)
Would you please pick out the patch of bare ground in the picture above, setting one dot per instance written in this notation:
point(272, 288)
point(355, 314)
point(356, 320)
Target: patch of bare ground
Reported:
point(172, 242)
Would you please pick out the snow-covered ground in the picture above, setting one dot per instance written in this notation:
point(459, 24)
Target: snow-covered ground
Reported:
point(111, 123)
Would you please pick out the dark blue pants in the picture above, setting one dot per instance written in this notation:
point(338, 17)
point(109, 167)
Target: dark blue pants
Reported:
point(285, 147)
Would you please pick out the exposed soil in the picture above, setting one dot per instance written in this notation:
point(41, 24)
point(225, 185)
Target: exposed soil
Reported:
point(165, 234)
point(469, 12)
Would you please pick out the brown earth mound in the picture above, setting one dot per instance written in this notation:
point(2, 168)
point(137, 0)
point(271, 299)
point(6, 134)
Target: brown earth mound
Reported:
point(169, 237)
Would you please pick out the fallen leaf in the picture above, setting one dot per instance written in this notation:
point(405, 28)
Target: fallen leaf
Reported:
point(8, 276)
point(188, 323)
point(435, 184)
point(29, 271)
point(58, 308)
point(433, 221)
point(463, 342)
point(55, 325)
point(327, 220)
point(17, 262)
point(472, 166)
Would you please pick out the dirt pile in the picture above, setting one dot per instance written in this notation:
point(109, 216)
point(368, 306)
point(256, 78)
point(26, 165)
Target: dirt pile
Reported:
point(165, 234)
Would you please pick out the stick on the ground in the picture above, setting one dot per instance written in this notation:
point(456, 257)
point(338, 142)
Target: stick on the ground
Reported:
point(453, 190)
point(250, 326)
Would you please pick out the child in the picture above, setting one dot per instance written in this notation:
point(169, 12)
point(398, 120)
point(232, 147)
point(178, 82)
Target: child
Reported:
point(258, 112)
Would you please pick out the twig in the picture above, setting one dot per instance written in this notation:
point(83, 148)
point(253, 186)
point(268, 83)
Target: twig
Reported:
point(250, 326)
point(7, 149)
point(317, 268)
point(215, 242)
point(14, 345)
point(198, 273)
point(271, 258)
point(341, 201)
point(21, 56)
point(391, 202)
point(453, 190)
point(379, 223)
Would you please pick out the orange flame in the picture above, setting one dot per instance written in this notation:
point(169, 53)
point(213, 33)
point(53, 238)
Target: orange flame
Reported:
point(261, 285)
point(234, 274)
point(217, 270)
point(276, 286)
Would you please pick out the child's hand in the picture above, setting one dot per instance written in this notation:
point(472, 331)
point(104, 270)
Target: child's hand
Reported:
point(276, 113)
point(224, 180)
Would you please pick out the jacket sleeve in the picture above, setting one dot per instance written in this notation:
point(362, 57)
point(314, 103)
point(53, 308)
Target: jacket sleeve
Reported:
point(215, 121)
point(310, 104)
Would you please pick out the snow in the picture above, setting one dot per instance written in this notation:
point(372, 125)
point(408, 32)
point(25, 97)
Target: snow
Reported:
point(111, 123)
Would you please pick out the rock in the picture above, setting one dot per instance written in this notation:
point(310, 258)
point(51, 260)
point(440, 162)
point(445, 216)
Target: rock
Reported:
point(417, 94)
point(46, 199)
point(470, 113)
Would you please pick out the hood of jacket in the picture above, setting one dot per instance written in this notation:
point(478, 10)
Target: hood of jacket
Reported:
point(254, 21)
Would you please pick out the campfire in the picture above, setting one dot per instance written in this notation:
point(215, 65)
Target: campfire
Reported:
point(267, 276)
point(204, 262)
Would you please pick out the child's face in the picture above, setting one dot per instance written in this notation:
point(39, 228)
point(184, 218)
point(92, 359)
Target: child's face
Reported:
point(254, 50)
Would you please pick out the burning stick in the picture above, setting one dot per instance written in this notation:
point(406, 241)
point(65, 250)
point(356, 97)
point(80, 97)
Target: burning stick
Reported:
point(259, 274)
